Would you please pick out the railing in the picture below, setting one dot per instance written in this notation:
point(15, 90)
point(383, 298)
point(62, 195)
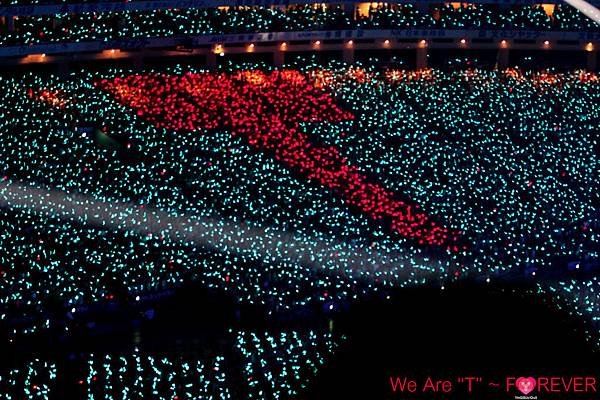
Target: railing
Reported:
point(472, 38)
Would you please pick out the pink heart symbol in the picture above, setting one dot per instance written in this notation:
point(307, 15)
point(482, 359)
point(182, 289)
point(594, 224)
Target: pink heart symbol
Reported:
point(526, 385)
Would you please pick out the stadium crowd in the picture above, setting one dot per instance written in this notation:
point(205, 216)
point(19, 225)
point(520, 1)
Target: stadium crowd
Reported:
point(579, 298)
point(482, 157)
point(256, 366)
point(101, 26)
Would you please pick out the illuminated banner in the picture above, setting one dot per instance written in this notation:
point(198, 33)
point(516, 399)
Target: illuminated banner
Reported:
point(394, 33)
point(180, 4)
point(194, 41)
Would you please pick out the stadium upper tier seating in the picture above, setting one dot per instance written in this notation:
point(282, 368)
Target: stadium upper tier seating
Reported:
point(98, 26)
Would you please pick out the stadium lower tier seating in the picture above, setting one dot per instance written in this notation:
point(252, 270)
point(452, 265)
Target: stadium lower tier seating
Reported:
point(255, 366)
point(112, 186)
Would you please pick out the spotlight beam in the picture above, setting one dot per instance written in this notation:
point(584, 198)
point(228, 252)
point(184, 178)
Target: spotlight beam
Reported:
point(586, 8)
point(323, 254)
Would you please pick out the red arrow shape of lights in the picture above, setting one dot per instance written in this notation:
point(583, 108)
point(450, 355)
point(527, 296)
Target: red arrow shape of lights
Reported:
point(266, 110)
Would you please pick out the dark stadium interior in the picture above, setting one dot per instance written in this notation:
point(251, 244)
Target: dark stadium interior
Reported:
point(261, 200)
